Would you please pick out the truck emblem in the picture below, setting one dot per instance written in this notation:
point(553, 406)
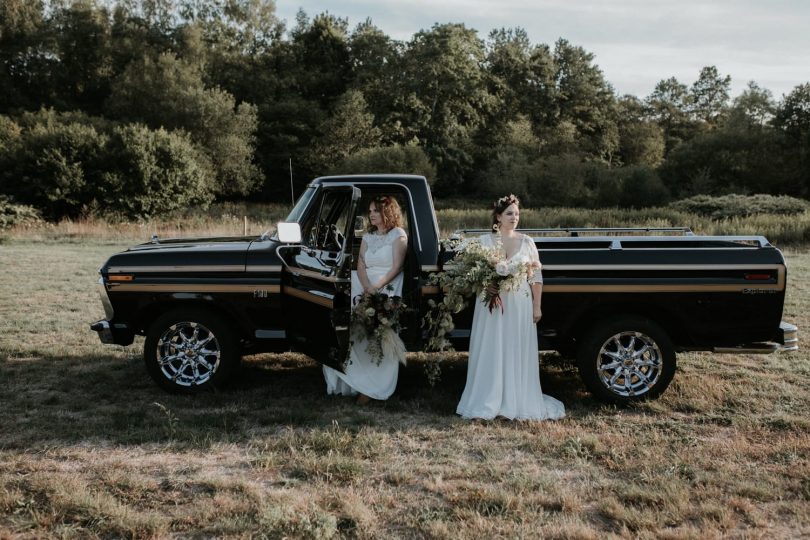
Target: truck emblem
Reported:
point(260, 293)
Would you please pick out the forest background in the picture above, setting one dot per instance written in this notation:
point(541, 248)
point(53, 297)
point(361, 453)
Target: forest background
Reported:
point(134, 109)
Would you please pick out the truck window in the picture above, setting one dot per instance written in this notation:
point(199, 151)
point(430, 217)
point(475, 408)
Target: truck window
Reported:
point(327, 233)
point(301, 205)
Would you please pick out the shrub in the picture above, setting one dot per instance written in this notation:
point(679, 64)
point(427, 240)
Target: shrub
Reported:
point(728, 206)
point(564, 180)
point(12, 214)
point(388, 159)
point(641, 187)
point(55, 167)
point(155, 171)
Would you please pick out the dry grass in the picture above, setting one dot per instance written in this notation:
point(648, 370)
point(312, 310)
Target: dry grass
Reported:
point(90, 447)
point(234, 219)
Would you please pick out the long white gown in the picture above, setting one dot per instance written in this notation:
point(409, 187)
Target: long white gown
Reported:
point(503, 374)
point(362, 373)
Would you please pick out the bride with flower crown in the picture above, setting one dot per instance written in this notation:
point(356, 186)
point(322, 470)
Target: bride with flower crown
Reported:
point(503, 374)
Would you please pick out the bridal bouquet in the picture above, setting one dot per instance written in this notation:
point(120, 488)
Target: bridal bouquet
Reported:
point(475, 271)
point(375, 317)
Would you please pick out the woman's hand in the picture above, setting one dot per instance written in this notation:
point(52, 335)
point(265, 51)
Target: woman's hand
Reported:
point(371, 289)
point(537, 314)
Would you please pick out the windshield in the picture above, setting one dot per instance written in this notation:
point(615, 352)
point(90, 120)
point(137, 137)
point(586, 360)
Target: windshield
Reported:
point(297, 211)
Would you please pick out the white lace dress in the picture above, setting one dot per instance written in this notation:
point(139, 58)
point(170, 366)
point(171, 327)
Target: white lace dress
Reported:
point(503, 374)
point(362, 373)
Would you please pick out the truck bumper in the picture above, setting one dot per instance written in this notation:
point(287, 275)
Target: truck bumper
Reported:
point(113, 334)
point(790, 336)
point(787, 340)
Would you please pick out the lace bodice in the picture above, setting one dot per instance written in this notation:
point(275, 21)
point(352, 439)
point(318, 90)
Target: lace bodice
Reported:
point(376, 255)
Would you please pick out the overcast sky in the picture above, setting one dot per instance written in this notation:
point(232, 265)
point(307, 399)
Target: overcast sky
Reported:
point(636, 42)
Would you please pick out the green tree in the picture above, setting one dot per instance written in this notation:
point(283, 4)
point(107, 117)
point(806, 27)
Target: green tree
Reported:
point(25, 57)
point(153, 172)
point(755, 107)
point(168, 92)
point(586, 100)
point(81, 76)
point(443, 97)
point(348, 130)
point(709, 96)
point(669, 105)
point(793, 119)
point(522, 77)
point(56, 165)
point(375, 60)
point(641, 141)
point(231, 27)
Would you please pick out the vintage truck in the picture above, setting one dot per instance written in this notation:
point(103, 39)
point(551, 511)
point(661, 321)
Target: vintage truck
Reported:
point(621, 302)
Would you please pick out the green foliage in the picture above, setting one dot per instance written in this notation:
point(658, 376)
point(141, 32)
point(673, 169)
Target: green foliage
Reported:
point(710, 94)
point(388, 159)
point(169, 93)
point(585, 99)
point(495, 115)
point(564, 180)
point(729, 206)
point(348, 130)
point(155, 172)
point(9, 134)
point(71, 165)
point(444, 96)
point(56, 164)
point(641, 187)
point(12, 214)
point(729, 160)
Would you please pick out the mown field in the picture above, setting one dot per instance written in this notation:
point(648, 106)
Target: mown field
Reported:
point(90, 447)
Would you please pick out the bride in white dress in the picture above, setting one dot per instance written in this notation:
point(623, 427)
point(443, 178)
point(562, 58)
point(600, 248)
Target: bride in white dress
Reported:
point(503, 374)
point(379, 269)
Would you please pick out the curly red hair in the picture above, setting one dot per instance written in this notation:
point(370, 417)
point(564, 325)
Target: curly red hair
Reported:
point(389, 210)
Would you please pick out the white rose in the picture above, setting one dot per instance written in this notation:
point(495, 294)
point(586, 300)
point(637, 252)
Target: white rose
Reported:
point(502, 269)
point(370, 312)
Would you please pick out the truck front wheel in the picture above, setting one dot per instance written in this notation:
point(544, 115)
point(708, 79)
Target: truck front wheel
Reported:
point(190, 351)
point(626, 359)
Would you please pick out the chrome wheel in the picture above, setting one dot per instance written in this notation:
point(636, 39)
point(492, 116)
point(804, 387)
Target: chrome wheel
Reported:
point(629, 364)
point(188, 354)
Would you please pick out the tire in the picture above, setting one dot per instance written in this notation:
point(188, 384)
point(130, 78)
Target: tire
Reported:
point(626, 360)
point(208, 361)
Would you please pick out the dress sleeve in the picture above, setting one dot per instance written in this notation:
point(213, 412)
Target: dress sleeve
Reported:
point(537, 276)
point(398, 232)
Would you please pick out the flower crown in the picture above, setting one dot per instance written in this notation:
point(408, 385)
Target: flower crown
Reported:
point(506, 201)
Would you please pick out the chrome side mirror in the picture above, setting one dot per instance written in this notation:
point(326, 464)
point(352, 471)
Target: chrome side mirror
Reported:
point(289, 233)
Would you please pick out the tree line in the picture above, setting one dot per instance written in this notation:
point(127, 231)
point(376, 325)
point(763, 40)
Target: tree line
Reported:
point(140, 107)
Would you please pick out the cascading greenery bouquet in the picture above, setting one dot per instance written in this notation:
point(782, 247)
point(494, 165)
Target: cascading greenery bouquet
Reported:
point(476, 271)
point(375, 317)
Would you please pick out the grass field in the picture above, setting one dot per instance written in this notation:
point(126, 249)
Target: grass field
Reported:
point(90, 447)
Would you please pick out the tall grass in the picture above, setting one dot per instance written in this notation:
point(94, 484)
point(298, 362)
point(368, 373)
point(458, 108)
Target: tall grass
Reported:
point(779, 230)
point(228, 219)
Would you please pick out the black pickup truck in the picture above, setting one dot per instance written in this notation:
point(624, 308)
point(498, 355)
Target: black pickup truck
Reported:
point(620, 301)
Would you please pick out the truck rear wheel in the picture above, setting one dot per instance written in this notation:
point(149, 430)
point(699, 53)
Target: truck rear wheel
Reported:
point(627, 359)
point(190, 351)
